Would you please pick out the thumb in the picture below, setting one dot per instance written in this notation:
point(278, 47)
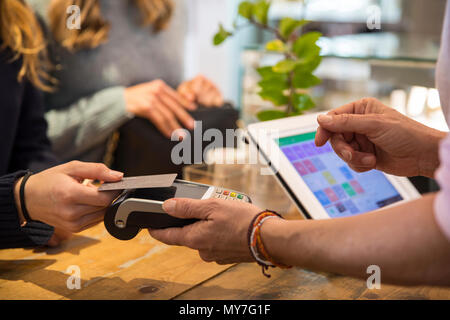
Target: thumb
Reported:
point(93, 171)
point(356, 123)
point(187, 208)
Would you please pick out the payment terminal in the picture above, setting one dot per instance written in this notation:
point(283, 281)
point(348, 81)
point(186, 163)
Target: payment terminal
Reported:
point(136, 209)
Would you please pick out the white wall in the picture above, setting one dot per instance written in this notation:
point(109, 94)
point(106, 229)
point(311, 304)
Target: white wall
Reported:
point(220, 64)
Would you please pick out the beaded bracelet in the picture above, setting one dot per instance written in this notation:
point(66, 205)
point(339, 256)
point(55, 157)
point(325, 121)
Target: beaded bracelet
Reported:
point(256, 245)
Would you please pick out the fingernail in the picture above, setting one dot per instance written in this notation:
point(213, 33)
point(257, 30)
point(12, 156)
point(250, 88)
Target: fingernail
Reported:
point(116, 173)
point(367, 160)
point(324, 118)
point(169, 205)
point(347, 155)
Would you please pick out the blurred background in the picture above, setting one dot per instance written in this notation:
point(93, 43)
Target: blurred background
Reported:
point(381, 48)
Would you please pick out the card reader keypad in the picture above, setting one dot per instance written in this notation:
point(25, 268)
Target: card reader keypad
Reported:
point(230, 195)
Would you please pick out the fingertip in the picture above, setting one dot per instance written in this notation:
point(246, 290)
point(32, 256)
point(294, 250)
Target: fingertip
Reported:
point(321, 137)
point(169, 206)
point(116, 174)
point(324, 119)
point(368, 160)
point(364, 160)
point(219, 102)
point(318, 142)
point(346, 155)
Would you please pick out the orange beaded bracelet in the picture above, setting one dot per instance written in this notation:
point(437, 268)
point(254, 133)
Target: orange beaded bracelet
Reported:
point(256, 245)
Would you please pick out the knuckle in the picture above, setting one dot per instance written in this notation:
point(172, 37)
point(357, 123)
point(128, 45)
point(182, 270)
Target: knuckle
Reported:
point(74, 164)
point(100, 166)
point(64, 194)
point(345, 118)
point(214, 204)
point(191, 241)
point(378, 119)
point(159, 85)
point(368, 100)
point(69, 216)
point(186, 208)
point(194, 241)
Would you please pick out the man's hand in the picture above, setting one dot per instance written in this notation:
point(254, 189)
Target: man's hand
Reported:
point(160, 104)
point(201, 90)
point(220, 235)
point(369, 135)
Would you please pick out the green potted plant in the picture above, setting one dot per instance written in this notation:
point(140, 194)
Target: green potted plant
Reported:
point(284, 84)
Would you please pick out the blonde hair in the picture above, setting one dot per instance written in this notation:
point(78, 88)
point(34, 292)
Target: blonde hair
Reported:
point(94, 28)
point(21, 33)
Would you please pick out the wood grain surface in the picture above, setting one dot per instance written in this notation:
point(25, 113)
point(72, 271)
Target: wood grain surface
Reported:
point(146, 269)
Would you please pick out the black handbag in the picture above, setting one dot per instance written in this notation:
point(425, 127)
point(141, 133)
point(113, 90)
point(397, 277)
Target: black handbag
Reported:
point(142, 150)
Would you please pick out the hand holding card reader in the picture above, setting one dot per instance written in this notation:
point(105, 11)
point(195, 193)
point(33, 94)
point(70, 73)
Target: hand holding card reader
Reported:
point(140, 208)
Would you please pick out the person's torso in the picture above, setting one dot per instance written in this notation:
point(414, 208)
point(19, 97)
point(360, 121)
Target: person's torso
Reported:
point(133, 54)
point(12, 95)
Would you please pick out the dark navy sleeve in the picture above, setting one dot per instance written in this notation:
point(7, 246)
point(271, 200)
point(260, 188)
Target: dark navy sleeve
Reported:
point(32, 149)
point(12, 235)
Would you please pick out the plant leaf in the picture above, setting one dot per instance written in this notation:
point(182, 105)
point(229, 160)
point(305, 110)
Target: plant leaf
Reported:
point(273, 114)
point(246, 9)
point(276, 45)
point(267, 73)
point(285, 66)
point(261, 11)
point(289, 25)
point(274, 84)
point(303, 80)
point(310, 64)
point(305, 47)
point(274, 95)
point(302, 102)
point(221, 35)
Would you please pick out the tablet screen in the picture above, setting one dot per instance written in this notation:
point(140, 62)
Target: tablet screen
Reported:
point(341, 191)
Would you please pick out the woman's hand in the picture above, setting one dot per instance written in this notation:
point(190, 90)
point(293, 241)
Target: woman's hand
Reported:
point(160, 104)
point(369, 135)
point(221, 233)
point(201, 90)
point(58, 198)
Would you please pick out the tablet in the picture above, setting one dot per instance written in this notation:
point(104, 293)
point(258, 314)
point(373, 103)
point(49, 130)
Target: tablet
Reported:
point(321, 184)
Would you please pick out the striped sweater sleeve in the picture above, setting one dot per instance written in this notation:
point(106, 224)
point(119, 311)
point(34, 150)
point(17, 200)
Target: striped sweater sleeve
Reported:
point(12, 235)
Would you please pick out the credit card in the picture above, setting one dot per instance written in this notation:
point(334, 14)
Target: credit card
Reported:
point(142, 182)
